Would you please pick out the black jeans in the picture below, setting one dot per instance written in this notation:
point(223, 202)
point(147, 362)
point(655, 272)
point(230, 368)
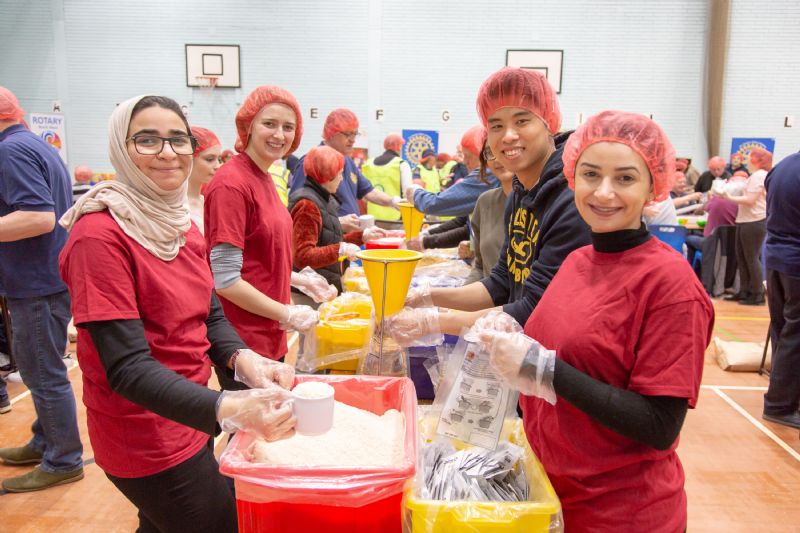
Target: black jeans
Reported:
point(190, 497)
point(783, 297)
point(749, 239)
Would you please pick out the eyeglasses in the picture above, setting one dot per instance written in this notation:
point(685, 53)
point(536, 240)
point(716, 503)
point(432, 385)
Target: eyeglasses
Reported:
point(488, 155)
point(154, 145)
point(350, 135)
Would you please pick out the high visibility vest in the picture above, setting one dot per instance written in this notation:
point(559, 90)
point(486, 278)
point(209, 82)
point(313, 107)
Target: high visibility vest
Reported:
point(280, 176)
point(446, 170)
point(430, 178)
point(385, 178)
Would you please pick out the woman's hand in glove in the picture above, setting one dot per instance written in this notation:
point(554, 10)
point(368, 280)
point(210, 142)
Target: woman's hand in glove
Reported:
point(313, 285)
point(348, 250)
point(521, 361)
point(372, 232)
point(300, 318)
point(258, 372)
point(262, 412)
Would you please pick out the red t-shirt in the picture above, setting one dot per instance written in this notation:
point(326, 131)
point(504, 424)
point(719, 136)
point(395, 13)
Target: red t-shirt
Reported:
point(112, 277)
point(620, 318)
point(242, 208)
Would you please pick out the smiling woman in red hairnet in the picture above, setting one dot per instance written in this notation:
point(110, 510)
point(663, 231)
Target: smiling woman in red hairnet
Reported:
point(606, 367)
point(249, 231)
point(206, 161)
point(520, 112)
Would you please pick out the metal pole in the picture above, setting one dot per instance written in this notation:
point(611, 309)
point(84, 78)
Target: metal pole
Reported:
point(383, 316)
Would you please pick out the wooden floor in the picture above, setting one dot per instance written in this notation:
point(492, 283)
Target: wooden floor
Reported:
point(742, 473)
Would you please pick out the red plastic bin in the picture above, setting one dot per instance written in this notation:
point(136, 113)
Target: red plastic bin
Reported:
point(385, 243)
point(296, 499)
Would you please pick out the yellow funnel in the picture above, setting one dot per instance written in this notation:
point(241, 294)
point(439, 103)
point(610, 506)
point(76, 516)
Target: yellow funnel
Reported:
point(412, 219)
point(395, 267)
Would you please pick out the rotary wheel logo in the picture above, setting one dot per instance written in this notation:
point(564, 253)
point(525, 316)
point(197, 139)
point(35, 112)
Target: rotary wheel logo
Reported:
point(416, 144)
point(52, 139)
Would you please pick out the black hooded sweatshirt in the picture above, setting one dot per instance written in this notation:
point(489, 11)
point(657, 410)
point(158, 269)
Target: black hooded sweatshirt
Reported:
point(542, 227)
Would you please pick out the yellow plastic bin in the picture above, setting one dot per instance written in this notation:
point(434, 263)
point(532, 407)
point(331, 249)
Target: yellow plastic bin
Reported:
point(345, 327)
point(541, 514)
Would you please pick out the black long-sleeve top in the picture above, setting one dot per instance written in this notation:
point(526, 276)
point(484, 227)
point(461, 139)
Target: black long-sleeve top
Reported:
point(448, 234)
point(134, 374)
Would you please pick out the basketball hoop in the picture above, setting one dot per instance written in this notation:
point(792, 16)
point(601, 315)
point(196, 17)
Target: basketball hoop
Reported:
point(207, 82)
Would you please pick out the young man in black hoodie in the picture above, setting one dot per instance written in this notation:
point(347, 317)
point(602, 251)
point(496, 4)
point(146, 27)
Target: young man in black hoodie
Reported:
point(520, 111)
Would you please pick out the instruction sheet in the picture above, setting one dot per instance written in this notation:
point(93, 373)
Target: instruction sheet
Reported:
point(475, 409)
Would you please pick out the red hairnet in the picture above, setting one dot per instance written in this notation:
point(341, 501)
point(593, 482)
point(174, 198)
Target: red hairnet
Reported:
point(323, 163)
point(255, 102)
point(517, 87)
point(83, 173)
point(9, 106)
point(339, 120)
point(205, 139)
point(443, 157)
point(394, 142)
point(640, 133)
point(473, 140)
point(761, 159)
point(716, 160)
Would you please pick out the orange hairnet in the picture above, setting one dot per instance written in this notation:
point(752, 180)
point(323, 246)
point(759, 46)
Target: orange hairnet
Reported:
point(517, 87)
point(255, 102)
point(323, 163)
point(393, 142)
point(9, 106)
point(443, 157)
point(339, 120)
point(473, 140)
point(640, 133)
point(83, 173)
point(761, 159)
point(205, 139)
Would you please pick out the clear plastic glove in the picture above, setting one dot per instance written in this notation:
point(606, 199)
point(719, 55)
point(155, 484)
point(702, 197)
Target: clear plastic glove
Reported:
point(411, 325)
point(420, 296)
point(349, 223)
point(348, 250)
point(396, 201)
point(258, 372)
point(262, 412)
point(524, 363)
point(300, 318)
point(410, 193)
point(465, 250)
point(415, 244)
point(313, 285)
point(495, 321)
point(373, 232)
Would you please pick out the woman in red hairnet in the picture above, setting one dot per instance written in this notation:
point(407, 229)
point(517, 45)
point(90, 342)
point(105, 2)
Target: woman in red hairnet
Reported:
point(249, 231)
point(605, 365)
point(318, 238)
point(206, 162)
point(751, 228)
point(520, 112)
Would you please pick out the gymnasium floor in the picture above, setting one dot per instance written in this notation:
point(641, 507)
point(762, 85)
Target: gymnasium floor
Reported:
point(742, 473)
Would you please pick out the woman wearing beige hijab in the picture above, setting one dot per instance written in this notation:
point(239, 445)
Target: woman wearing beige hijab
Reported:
point(150, 326)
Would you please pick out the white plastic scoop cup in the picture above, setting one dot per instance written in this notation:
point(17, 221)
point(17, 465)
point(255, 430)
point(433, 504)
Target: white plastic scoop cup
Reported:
point(312, 405)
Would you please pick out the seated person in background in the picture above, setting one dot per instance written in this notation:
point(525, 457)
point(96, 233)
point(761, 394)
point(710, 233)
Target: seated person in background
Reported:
point(716, 170)
point(737, 164)
point(460, 198)
point(83, 175)
point(681, 192)
point(317, 237)
point(425, 174)
point(684, 164)
point(721, 212)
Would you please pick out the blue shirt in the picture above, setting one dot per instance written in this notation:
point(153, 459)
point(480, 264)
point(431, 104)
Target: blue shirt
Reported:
point(783, 217)
point(32, 178)
point(354, 186)
point(457, 200)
